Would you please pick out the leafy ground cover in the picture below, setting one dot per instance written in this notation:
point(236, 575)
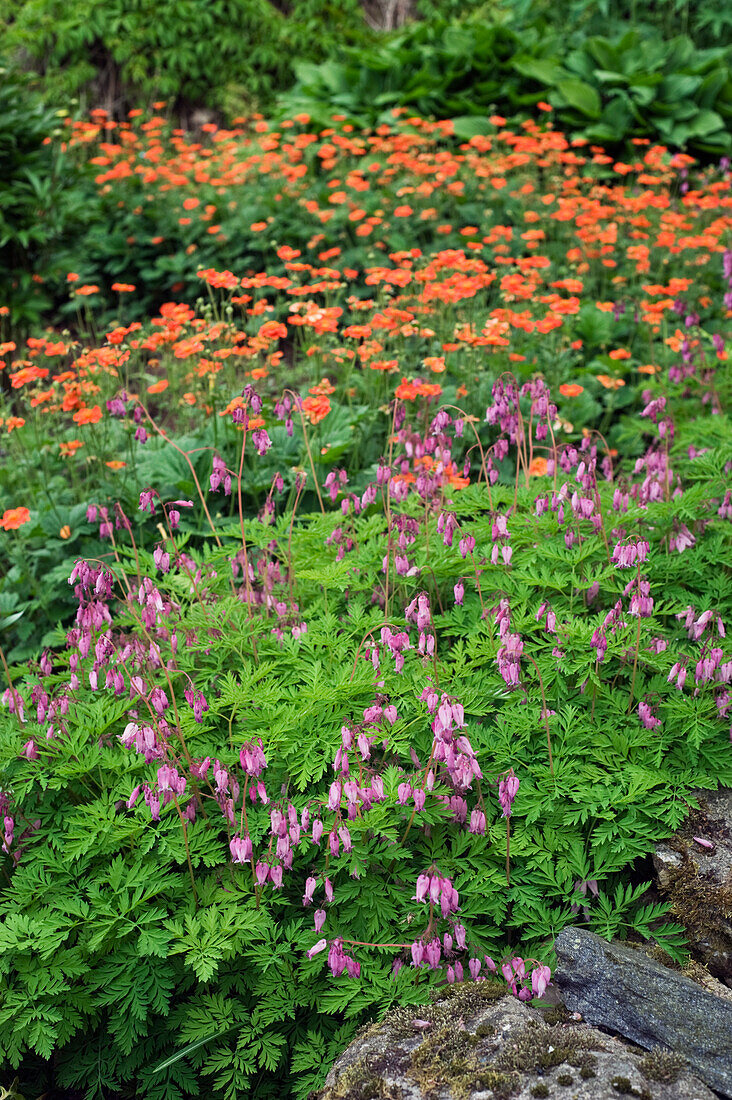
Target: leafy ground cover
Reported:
point(365, 596)
point(607, 88)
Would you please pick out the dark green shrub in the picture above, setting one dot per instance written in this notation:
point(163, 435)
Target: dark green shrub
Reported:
point(228, 55)
point(36, 198)
point(632, 85)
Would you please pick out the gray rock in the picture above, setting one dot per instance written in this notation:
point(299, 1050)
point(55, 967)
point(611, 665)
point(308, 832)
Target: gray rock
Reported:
point(697, 880)
point(622, 989)
point(480, 1044)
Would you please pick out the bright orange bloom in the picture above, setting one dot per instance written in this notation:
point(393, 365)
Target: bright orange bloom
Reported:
point(70, 447)
point(123, 288)
point(14, 518)
point(619, 353)
point(272, 330)
point(608, 382)
point(85, 291)
point(316, 408)
point(324, 386)
point(571, 389)
point(648, 368)
point(158, 387)
point(538, 467)
point(88, 416)
point(115, 464)
point(65, 532)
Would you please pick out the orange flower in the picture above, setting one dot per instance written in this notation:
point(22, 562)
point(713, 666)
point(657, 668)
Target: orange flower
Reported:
point(123, 288)
point(71, 447)
point(158, 387)
point(14, 518)
point(571, 389)
point(85, 291)
point(619, 353)
point(435, 363)
point(272, 330)
point(648, 368)
point(65, 531)
point(538, 467)
point(115, 464)
point(316, 408)
point(88, 416)
point(608, 382)
point(324, 386)
point(72, 277)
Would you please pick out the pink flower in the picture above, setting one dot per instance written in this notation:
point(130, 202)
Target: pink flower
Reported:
point(507, 791)
point(241, 849)
point(540, 979)
point(317, 948)
point(423, 884)
point(417, 953)
point(334, 796)
point(403, 793)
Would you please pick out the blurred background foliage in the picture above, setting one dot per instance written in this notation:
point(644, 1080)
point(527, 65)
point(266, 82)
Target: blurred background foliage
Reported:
point(236, 56)
point(612, 71)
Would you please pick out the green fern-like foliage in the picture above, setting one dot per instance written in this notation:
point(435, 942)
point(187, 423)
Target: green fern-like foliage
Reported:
point(142, 950)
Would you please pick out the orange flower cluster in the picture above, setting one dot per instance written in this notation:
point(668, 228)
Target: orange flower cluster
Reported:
point(517, 290)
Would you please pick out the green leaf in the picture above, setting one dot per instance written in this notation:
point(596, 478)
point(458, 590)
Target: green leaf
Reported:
point(580, 95)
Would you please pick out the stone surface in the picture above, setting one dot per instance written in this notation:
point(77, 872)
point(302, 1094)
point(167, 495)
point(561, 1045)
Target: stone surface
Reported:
point(480, 1044)
point(697, 880)
point(623, 990)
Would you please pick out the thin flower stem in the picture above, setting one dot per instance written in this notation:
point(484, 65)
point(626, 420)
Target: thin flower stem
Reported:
point(635, 655)
point(368, 634)
point(475, 568)
point(247, 582)
point(178, 559)
point(544, 714)
point(187, 459)
point(13, 692)
point(299, 486)
point(188, 852)
point(128, 527)
point(298, 406)
point(367, 943)
point(469, 420)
